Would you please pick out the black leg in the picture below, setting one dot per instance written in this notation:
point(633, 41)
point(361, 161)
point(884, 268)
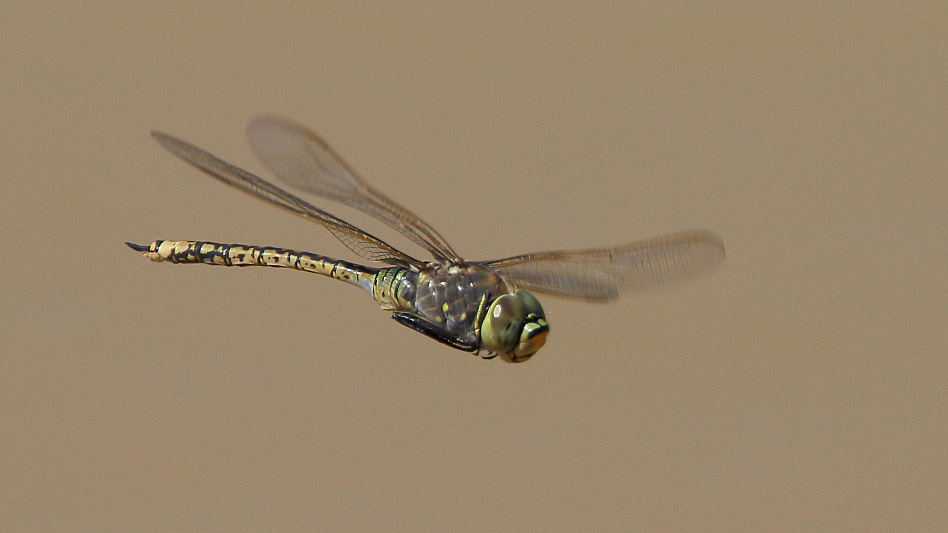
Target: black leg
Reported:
point(434, 331)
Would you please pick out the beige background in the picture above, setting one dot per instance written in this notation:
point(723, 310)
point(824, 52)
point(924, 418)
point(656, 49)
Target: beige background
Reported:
point(801, 386)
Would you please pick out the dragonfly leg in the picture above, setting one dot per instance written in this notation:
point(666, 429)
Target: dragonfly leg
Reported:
point(434, 331)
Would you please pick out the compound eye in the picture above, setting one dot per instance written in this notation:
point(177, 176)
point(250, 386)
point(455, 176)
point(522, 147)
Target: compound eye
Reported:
point(530, 303)
point(501, 329)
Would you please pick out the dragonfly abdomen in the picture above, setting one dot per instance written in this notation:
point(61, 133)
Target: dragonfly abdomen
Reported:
point(212, 253)
point(394, 288)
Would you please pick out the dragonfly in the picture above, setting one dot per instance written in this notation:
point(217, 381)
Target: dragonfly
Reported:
point(483, 307)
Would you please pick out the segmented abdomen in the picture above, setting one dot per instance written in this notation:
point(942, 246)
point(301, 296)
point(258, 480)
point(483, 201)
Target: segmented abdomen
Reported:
point(212, 253)
point(394, 288)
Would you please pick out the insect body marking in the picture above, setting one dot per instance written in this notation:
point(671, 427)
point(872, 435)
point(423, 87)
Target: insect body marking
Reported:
point(243, 255)
point(394, 288)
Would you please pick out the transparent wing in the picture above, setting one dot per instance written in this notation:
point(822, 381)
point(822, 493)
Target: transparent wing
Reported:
point(602, 274)
point(358, 241)
point(302, 159)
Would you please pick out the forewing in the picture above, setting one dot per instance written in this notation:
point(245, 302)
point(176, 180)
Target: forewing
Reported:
point(300, 158)
point(603, 274)
point(358, 241)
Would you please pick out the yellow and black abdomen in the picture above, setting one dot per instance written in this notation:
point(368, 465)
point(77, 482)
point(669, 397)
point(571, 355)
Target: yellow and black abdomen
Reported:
point(212, 253)
point(394, 289)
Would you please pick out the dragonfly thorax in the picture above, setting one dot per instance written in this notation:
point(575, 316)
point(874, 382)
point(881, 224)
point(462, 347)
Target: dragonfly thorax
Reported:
point(450, 295)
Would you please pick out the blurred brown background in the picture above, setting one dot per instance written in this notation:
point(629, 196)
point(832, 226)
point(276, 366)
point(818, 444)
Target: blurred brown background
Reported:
point(801, 386)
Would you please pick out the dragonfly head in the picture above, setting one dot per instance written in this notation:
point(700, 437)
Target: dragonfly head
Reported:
point(514, 326)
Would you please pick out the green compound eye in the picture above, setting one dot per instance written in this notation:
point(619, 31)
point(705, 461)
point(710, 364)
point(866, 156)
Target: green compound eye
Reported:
point(501, 329)
point(535, 329)
point(530, 303)
point(515, 327)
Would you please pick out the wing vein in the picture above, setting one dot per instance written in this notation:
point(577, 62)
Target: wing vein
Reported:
point(360, 242)
point(603, 274)
point(300, 158)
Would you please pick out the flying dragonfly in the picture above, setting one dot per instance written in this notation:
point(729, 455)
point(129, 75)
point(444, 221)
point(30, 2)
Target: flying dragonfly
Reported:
point(483, 307)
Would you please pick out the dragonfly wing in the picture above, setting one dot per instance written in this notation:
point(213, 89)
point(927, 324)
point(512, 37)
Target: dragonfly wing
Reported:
point(358, 241)
point(300, 158)
point(603, 274)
